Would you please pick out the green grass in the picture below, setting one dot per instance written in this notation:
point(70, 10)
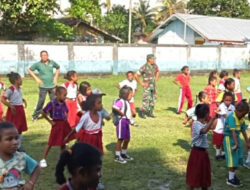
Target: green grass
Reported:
point(159, 146)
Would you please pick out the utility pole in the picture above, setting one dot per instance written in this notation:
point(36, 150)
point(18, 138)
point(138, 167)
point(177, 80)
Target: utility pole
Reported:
point(130, 22)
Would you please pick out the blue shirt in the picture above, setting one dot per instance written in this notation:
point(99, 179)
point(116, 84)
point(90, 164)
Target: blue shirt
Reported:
point(199, 139)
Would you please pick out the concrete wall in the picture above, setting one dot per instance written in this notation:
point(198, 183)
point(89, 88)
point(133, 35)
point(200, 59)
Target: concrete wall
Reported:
point(116, 58)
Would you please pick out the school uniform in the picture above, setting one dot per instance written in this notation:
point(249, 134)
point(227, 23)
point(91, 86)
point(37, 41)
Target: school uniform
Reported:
point(2, 87)
point(220, 97)
point(198, 168)
point(221, 86)
point(234, 158)
point(90, 131)
point(15, 97)
point(122, 128)
point(185, 91)
point(218, 133)
point(237, 90)
point(212, 95)
point(58, 112)
point(71, 102)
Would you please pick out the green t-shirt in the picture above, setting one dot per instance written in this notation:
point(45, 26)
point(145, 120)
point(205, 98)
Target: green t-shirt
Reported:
point(233, 123)
point(46, 73)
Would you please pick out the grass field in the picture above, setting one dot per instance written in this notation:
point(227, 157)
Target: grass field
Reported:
point(159, 146)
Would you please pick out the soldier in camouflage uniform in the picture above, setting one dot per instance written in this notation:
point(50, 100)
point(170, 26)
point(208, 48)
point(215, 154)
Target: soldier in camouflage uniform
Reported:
point(150, 74)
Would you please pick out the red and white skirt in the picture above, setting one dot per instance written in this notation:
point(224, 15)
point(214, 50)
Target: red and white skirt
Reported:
point(198, 169)
point(93, 139)
point(18, 119)
point(58, 133)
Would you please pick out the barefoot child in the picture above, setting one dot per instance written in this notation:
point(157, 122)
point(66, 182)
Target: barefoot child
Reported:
point(71, 102)
point(224, 109)
point(58, 115)
point(12, 163)
point(2, 90)
point(234, 126)
point(183, 81)
point(122, 108)
point(198, 168)
point(13, 99)
point(84, 163)
point(237, 89)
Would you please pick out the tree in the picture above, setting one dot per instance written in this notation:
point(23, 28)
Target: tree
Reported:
point(168, 8)
point(224, 8)
point(85, 9)
point(144, 16)
point(23, 15)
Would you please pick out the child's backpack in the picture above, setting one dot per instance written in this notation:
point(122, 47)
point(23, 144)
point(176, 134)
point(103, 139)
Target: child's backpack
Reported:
point(115, 115)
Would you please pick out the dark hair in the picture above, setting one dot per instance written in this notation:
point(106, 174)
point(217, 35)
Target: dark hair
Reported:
point(228, 94)
point(212, 73)
point(5, 125)
point(242, 106)
point(129, 72)
point(223, 74)
point(236, 71)
point(83, 87)
point(184, 68)
point(59, 89)
point(124, 92)
point(69, 75)
point(201, 110)
point(201, 95)
point(228, 82)
point(90, 102)
point(13, 77)
point(211, 78)
point(80, 155)
point(44, 51)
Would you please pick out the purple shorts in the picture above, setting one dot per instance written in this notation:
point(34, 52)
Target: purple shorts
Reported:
point(122, 129)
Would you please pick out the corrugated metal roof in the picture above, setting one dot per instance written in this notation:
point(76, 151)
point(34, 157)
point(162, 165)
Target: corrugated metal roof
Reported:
point(211, 28)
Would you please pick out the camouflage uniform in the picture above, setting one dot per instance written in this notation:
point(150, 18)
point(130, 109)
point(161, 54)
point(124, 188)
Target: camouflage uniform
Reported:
point(148, 73)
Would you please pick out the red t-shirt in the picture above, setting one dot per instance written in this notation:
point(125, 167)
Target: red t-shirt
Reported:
point(183, 79)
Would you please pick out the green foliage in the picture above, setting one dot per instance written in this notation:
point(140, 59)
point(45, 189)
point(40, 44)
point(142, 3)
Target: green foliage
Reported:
point(85, 9)
point(224, 8)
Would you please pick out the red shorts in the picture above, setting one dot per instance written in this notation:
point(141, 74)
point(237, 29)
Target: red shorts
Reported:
point(217, 139)
point(19, 119)
point(58, 132)
point(93, 139)
point(72, 115)
point(198, 169)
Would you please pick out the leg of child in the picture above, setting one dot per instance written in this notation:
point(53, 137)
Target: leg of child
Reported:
point(186, 119)
point(248, 155)
point(46, 151)
point(189, 98)
point(231, 173)
point(181, 100)
point(118, 147)
point(125, 146)
point(218, 152)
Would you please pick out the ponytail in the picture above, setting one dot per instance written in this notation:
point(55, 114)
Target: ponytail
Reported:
point(63, 161)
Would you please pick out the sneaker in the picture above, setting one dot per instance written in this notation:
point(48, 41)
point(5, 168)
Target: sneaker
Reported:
point(142, 115)
point(126, 157)
point(218, 158)
point(120, 160)
point(234, 182)
point(43, 163)
point(223, 157)
point(134, 125)
point(247, 165)
point(34, 119)
point(100, 186)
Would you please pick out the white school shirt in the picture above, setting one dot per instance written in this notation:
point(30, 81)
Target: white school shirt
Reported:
point(237, 88)
point(88, 124)
point(71, 89)
point(132, 84)
point(14, 95)
point(224, 110)
point(191, 113)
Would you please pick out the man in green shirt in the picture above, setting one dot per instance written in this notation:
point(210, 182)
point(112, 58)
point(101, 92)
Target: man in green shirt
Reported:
point(47, 80)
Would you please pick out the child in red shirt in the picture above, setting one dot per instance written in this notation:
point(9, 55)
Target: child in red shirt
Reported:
point(183, 81)
point(211, 91)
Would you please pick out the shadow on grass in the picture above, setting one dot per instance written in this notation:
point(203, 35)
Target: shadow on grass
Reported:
point(183, 144)
point(111, 146)
point(137, 109)
point(172, 109)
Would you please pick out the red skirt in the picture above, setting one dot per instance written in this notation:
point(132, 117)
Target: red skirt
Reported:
point(58, 133)
point(93, 139)
point(217, 139)
point(19, 119)
point(72, 115)
point(198, 169)
point(1, 112)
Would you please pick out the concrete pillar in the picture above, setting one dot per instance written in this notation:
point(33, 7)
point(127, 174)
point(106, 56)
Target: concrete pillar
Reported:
point(188, 49)
point(71, 57)
point(21, 59)
point(115, 59)
point(219, 58)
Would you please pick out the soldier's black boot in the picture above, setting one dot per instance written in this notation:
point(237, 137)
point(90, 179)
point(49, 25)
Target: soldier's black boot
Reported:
point(150, 114)
point(142, 115)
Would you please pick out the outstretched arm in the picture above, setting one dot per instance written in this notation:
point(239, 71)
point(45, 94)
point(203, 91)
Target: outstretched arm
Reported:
point(56, 75)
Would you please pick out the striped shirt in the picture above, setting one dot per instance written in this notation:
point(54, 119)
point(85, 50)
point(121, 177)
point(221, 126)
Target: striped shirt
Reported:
point(199, 139)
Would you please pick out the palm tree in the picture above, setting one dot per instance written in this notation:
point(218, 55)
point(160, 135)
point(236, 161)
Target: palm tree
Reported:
point(143, 14)
point(168, 8)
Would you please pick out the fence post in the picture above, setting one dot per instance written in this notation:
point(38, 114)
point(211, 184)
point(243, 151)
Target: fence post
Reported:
point(71, 57)
point(219, 58)
point(115, 59)
point(188, 49)
point(21, 59)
